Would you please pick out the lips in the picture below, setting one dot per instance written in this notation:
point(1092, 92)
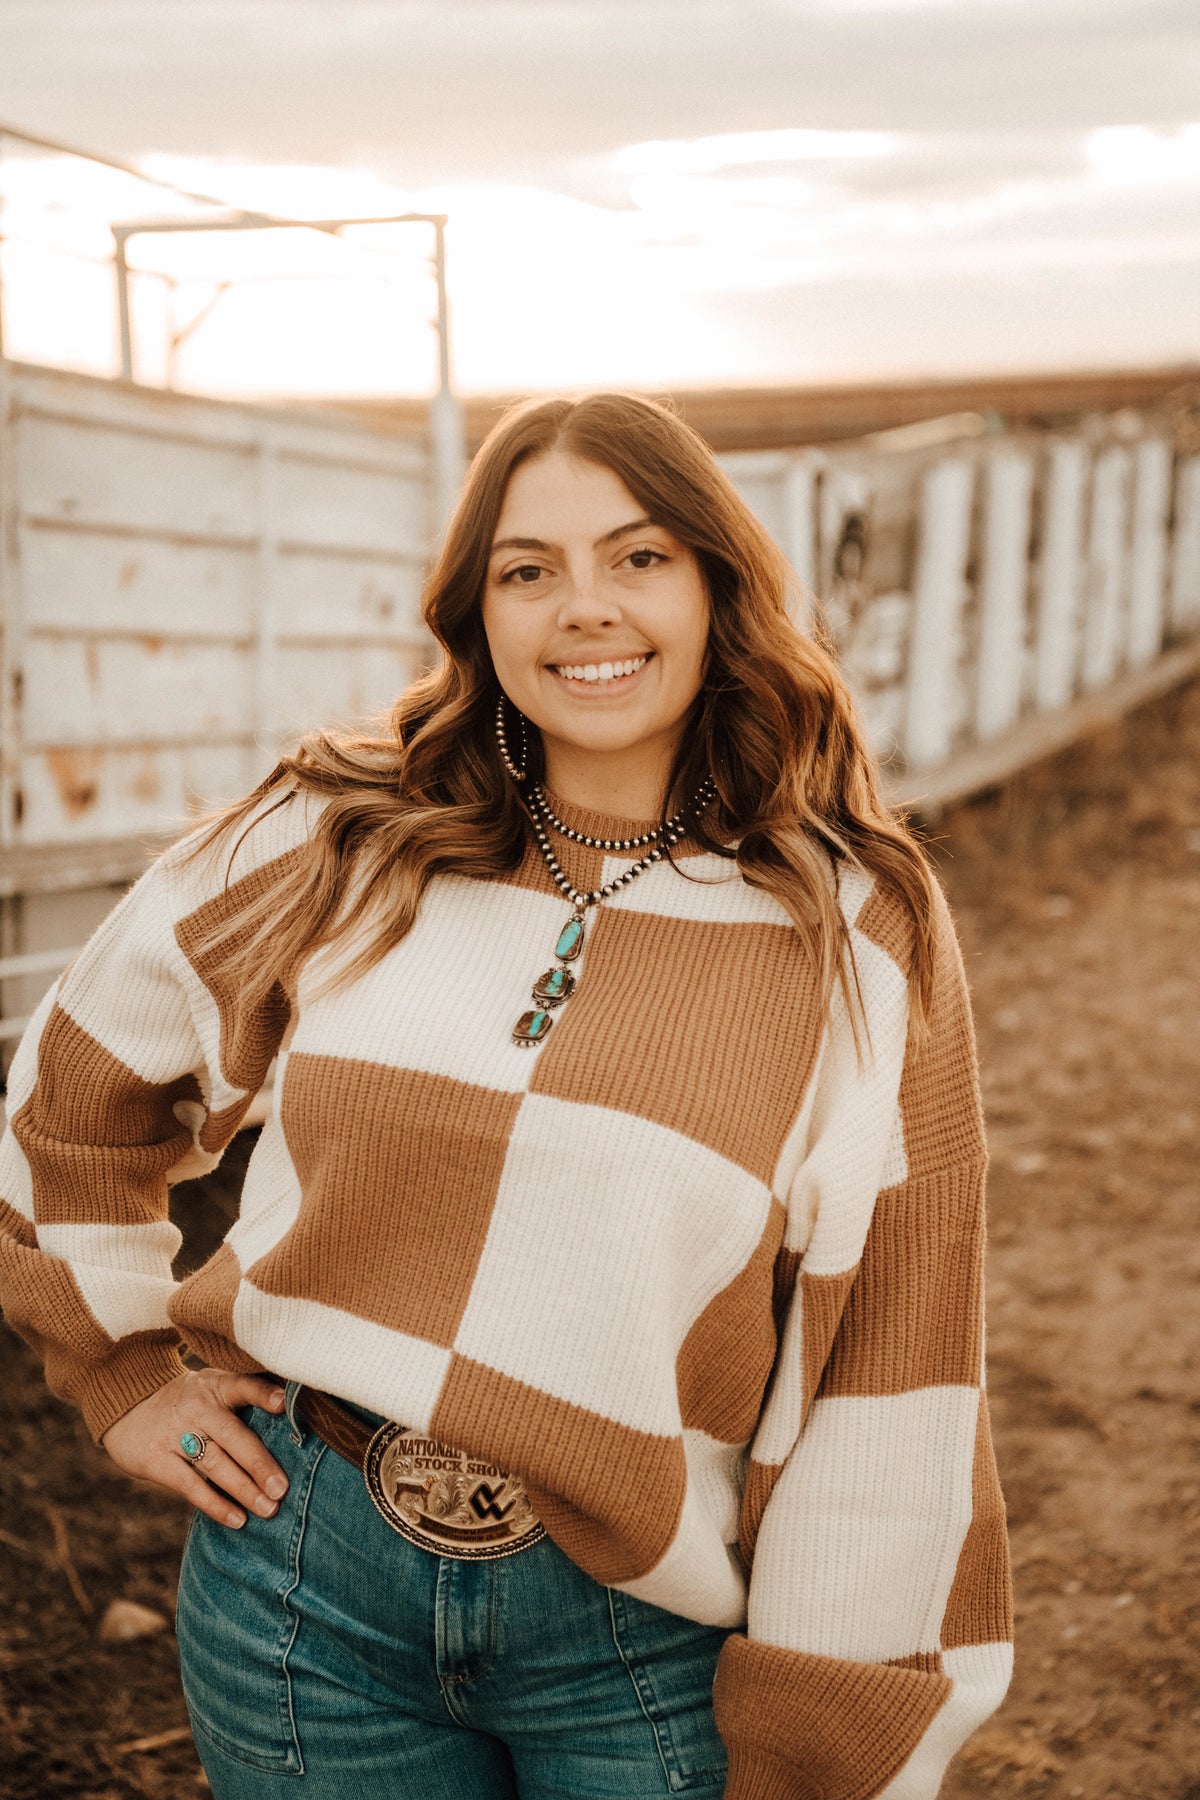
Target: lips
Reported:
point(601, 674)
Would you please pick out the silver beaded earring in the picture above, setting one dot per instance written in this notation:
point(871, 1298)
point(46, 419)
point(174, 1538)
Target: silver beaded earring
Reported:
point(502, 740)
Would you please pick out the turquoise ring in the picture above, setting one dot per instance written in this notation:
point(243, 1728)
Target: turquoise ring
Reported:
point(193, 1444)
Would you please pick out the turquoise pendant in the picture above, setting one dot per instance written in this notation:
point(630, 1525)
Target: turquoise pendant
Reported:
point(552, 986)
point(555, 986)
point(570, 941)
point(532, 1027)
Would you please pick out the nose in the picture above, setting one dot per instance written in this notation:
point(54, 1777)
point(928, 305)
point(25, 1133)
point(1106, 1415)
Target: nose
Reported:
point(586, 602)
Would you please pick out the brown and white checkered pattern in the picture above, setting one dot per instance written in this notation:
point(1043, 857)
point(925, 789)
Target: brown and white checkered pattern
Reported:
point(706, 1278)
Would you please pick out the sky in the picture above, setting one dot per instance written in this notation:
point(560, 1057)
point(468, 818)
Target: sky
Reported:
point(650, 192)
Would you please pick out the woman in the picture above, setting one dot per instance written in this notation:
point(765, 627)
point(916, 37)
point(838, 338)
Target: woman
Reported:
point(592, 1395)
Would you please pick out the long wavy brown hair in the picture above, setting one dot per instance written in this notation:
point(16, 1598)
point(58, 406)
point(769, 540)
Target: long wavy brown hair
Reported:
point(774, 724)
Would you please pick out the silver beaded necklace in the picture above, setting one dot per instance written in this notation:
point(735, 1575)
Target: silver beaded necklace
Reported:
point(581, 837)
point(555, 985)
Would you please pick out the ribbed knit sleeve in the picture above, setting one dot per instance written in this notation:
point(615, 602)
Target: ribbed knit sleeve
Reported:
point(879, 1619)
point(136, 1070)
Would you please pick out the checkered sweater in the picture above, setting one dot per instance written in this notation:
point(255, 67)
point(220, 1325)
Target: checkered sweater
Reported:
point(708, 1281)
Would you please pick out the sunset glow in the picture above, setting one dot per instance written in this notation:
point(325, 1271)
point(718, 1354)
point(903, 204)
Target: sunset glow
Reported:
point(686, 273)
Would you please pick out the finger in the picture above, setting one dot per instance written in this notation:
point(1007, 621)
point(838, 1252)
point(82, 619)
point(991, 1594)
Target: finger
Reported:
point(244, 1446)
point(206, 1499)
point(248, 1449)
point(223, 1471)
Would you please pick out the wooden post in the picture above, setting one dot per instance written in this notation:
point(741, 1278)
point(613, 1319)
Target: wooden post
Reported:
point(939, 591)
point(266, 610)
point(1148, 553)
point(1060, 575)
point(1185, 561)
point(1001, 662)
point(12, 615)
point(1106, 569)
point(799, 539)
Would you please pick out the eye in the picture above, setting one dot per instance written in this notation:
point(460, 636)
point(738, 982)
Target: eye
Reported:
point(524, 575)
point(644, 558)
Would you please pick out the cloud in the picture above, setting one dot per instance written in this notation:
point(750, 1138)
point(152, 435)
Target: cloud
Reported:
point(704, 155)
point(533, 92)
point(1135, 156)
point(633, 183)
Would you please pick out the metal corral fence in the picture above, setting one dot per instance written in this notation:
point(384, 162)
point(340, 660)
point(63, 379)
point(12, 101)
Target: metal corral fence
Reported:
point(187, 584)
point(994, 596)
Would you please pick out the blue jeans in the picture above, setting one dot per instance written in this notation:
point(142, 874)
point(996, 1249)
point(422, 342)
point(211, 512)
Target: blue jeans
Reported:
point(324, 1657)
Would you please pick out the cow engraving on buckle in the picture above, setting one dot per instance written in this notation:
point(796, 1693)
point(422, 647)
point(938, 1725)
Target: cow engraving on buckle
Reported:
point(445, 1501)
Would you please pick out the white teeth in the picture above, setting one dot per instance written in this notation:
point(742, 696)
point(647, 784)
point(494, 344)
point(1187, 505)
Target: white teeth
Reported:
point(605, 671)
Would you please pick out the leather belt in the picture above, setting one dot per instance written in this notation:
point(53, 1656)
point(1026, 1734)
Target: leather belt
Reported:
point(435, 1496)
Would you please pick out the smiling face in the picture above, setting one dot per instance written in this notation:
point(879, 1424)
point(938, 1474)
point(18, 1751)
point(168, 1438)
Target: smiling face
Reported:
point(597, 621)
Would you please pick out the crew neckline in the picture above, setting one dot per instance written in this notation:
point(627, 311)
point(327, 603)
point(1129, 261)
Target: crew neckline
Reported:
point(599, 824)
point(596, 824)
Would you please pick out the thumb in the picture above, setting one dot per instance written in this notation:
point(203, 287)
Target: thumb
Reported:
point(264, 1391)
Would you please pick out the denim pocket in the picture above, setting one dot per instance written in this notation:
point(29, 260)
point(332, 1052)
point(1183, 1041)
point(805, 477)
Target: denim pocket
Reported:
point(236, 1621)
point(672, 1662)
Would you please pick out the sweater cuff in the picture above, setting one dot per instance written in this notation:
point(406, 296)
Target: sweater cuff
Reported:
point(137, 1368)
point(799, 1726)
point(757, 1775)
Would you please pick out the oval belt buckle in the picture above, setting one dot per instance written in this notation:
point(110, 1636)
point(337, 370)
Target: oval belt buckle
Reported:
point(445, 1501)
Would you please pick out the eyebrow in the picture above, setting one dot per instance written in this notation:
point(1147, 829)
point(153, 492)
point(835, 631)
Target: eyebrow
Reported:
point(610, 537)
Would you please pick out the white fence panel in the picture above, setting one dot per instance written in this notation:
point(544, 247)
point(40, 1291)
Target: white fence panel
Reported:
point(351, 504)
point(79, 795)
point(108, 691)
point(186, 584)
point(985, 592)
point(1107, 569)
point(141, 588)
point(781, 490)
point(1060, 578)
point(934, 693)
point(1185, 565)
point(89, 473)
point(799, 540)
point(359, 683)
point(1148, 553)
point(337, 598)
point(1001, 657)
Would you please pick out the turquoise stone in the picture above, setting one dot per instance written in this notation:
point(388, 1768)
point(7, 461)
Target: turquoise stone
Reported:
point(531, 1027)
point(190, 1444)
point(554, 986)
point(570, 941)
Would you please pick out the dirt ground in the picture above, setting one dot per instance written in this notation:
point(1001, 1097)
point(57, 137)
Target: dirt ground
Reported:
point(1077, 893)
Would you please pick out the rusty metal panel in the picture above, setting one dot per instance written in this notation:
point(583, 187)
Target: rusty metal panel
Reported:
point(96, 477)
point(142, 587)
point(189, 584)
point(102, 691)
point(336, 597)
point(316, 689)
point(349, 505)
point(80, 793)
